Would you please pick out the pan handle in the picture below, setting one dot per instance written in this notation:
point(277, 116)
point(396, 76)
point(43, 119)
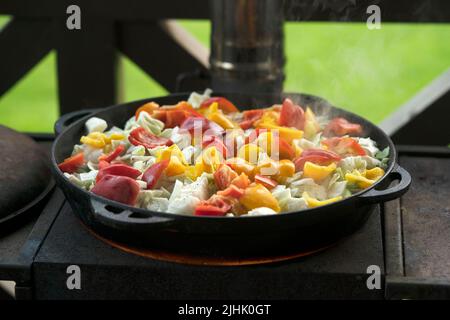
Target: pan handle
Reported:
point(391, 193)
point(112, 215)
point(67, 119)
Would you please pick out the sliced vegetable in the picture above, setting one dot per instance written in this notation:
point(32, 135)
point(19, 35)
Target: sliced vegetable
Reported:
point(141, 137)
point(224, 104)
point(214, 141)
point(201, 125)
point(317, 156)
point(249, 152)
point(103, 164)
point(223, 176)
point(286, 151)
point(365, 179)
point(265, 181)
point(72, 164)
point(291, 115)
point(256, 196)
point(241, 166)
point(175, 167)
point(149, 107)
point(286, 168)
point(114, 154)
point(340, 127)
point(152, 174)
point(175, 118)
point(216, 115)
point(242, 181)
point(231, 191)
point(117, 188)
point(344, 146)
point(118, 170)
point(317, 172)
point(215, 206)
point(94, 139)
point(249, 118)
point(313, 202)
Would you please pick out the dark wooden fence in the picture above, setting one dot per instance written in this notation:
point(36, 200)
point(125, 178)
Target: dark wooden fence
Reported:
point(87, 58)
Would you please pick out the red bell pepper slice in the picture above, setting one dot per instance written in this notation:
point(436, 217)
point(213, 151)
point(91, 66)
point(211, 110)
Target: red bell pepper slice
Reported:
point(140, 136)
point(102, 164)
point(291, 115)
point(118, 169)
point(214, 206)
point(340, 127)
point(224, 104)
point(286, 151)
point(214, 141)
point(317, 156)
point(265, 181)
point(175, 118)
point(249, 118)
point(71, 164)
point(201, 124)
point(321, 152)
point(344, 146)
point(231, 191)
point(152, 174)
point(316, 159)
point(117, 188)
point(113, 155)
point(241, 181)
point(223, 176)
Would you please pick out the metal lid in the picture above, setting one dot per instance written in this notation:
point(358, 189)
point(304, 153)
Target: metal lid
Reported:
point(24, 171)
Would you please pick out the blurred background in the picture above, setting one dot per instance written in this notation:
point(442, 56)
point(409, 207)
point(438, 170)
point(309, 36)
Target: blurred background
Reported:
point(370, 72)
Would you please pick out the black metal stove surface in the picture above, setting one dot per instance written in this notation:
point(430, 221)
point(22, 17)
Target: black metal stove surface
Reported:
point(408, 240)
point(109, 273)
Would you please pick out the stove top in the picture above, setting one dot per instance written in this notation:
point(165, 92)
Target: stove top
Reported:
point(41, 257)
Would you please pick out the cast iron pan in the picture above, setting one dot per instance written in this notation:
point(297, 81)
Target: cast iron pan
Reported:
point(273, 234)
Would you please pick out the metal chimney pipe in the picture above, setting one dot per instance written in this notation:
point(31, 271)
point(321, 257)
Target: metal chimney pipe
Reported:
point(247, 52)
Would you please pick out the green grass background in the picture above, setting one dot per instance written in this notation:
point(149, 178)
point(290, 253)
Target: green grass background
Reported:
point(368, 72)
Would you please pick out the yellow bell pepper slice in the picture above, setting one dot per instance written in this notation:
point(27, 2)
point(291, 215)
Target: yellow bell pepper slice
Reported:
point(311, 127)
point(94, 139)
point(99, 139)
point(116, 136)
point(286, 133)
point(366, 179)
point(241, 166)
point(313, 202)
point(168, 152)
point(249, 152)
point(269, 120)
point(286, 168)
point(269, 116)
point(256, 196)
point(175, 167)
point(213, 113)
point(192, 172)
point(374, 174)
point(209, 160)
point(317, 172)
point(298, 150)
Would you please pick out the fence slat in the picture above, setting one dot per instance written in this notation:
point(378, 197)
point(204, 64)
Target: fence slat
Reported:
point(87, 59)
point(23, 42)
point(156, 52)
